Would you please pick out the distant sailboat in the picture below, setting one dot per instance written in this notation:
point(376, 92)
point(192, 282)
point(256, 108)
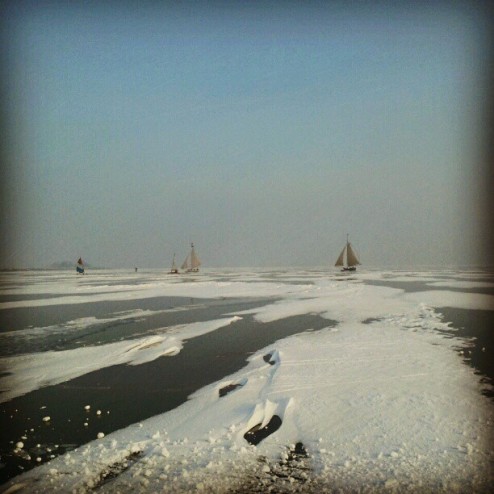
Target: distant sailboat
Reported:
point(348, 259)
point(80, 266)
point(192, 262)
point(174, 269)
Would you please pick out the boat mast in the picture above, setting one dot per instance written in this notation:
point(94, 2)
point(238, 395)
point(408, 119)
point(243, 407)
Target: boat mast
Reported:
point(347, 249)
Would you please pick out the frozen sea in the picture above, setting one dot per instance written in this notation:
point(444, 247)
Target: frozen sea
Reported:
point(247, 380)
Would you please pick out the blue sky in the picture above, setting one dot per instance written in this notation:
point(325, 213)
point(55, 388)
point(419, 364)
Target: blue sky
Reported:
point(263, 133)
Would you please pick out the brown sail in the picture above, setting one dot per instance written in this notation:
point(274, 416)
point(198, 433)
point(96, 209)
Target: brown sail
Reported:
point(348, 258)
point(341, 258)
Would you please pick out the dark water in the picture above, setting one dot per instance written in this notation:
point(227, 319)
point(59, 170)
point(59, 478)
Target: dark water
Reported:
point(51, 315)
point(131, 393)
point(477, 327)
point(177, 310)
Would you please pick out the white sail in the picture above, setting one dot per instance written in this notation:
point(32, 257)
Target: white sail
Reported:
point(192, 261)
point(174, 269)
point(195, 262)
point(351, 257)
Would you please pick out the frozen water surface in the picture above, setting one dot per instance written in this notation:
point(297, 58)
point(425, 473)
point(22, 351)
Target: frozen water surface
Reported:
point(370, 388)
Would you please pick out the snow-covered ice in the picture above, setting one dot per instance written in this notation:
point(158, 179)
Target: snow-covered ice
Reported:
point(383, 401)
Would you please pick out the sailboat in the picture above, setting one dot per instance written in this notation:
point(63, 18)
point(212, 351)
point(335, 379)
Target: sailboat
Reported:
point(192, 262)
point(174, 269)
point(80, 266)
point(348, 259)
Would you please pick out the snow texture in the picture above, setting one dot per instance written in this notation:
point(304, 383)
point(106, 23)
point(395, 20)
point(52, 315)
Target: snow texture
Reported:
point(381, 402)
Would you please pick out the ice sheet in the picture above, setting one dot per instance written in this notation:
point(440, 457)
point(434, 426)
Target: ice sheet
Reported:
point(459, 300)
point(32, 371)
point(79, 324)
point(383, 400)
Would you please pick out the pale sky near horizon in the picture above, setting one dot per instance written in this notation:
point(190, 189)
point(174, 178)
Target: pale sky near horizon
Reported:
point(262, 133)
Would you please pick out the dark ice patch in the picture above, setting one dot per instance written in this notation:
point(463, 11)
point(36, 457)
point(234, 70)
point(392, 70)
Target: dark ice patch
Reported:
point(228, 389)
point(117, 468)
point(257, 433)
